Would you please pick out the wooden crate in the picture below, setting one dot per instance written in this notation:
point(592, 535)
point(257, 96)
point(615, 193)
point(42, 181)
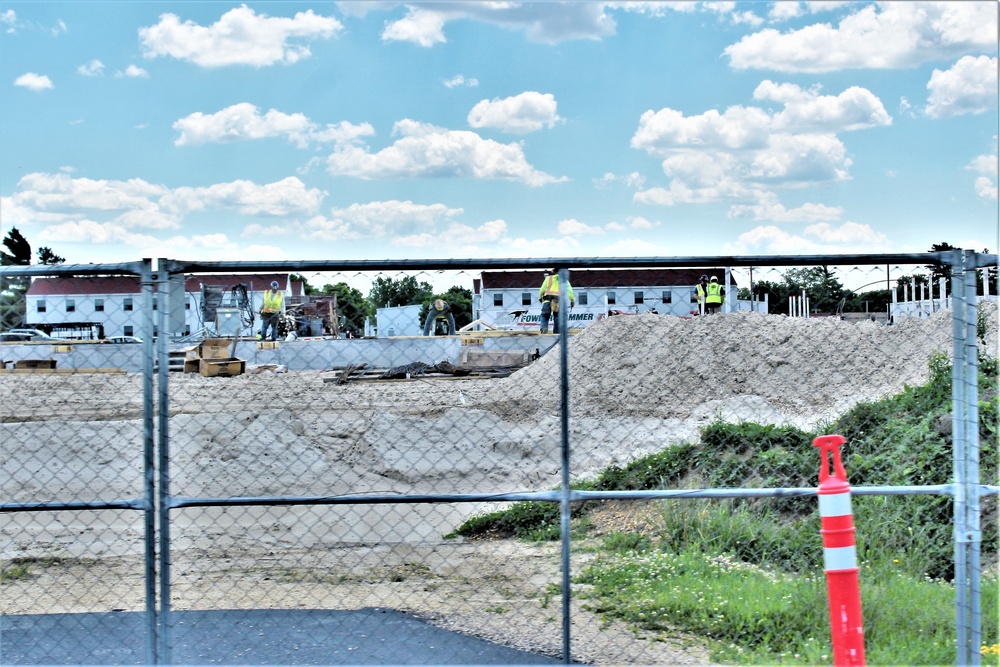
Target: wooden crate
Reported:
point(222, 367)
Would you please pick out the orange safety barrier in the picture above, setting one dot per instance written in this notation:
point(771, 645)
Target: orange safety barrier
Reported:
point(840, 557)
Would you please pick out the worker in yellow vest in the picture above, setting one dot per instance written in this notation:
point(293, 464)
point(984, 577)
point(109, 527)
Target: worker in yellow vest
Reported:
point(439, 309)
point(699, 290)
point(270, 312)
point(548, 294)
point(715, 296)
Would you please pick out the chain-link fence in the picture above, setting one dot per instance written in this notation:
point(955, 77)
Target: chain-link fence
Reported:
point(389, 462)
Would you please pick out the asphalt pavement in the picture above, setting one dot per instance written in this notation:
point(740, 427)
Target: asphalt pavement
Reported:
point(250, 637)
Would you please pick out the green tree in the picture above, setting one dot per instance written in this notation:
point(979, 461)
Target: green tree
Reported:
point(307, 289)
point(875, 301)
point(12, 290)
point(824, 290)
point(352, 308)
point(47, 256)
point(389, 293)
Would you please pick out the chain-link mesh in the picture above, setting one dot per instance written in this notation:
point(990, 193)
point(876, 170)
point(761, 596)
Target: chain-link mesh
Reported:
point(380, 470)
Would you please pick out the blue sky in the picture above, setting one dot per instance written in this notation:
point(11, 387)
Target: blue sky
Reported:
point(384, 130)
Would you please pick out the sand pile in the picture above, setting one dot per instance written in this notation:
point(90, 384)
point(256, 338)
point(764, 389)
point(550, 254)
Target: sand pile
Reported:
point(745, 365)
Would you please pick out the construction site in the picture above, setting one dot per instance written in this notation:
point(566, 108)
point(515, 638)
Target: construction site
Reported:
point(258, 428)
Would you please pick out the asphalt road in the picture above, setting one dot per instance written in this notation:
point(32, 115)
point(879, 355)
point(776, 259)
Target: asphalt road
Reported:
point(250, 637)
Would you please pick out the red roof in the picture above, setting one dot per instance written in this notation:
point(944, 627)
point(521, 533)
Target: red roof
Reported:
point(604, 278)
point(130, 284)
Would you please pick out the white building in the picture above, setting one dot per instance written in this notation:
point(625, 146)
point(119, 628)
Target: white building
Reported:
point(104, 306)
point(509, 299)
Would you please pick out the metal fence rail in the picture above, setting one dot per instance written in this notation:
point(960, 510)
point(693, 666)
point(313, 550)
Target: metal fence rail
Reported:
point(281, 484)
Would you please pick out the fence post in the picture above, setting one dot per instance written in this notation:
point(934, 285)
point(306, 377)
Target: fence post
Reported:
point(840, 555)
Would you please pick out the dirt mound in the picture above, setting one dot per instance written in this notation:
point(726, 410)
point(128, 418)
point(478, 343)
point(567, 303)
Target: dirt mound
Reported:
point(744, 365)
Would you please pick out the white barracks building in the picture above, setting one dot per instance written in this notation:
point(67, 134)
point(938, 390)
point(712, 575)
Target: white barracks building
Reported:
point(509, 299)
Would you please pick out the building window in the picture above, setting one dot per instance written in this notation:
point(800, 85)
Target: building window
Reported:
point(666, 298)
point(611, 299)
point(128, 306)
point(128, 330)
point(498, 300)
point(99, 305)
point(187, 303)
point(581, 298)
point(638, 298)
point(40, 307)
point(187, 329)
point(154, 304)
point(525, 298)
point(70, 305)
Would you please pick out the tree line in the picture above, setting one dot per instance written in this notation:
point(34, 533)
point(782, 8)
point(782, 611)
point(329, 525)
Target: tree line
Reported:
point(828, 295)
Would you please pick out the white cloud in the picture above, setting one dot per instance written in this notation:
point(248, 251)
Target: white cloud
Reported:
point(782, 11)
point(420, 26)
point(460, 81)
point(424, 23)
point(458, 235)
point(970, 86)
point(730, 9)
point(820, 238)
point(426, 151)
point(93, 68)
point(133, 72)
point(769, 208)
point(885, 35)
point(9, 19)
point(639, 222)
point(738, 127)
point(239, 37)
point(573, 227)
point(244, 122)
point(807, 111)
point(33, 81)
point(634, 180)
point(380, 219)
point(734, 154)
point(527, 112)
point(132, 204)
point(63, 193)
point(89, 231)
point(988, 166)
point(286, 197)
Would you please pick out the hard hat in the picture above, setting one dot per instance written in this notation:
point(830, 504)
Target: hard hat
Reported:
point(714, 279)
point(274, 284)
point(704, 277)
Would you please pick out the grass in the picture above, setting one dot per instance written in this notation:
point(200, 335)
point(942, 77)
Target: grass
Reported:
point(747, 574)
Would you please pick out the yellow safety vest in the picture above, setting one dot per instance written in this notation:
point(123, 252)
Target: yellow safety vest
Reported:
point(272, 301)
point(550, 288)
point(714, 293)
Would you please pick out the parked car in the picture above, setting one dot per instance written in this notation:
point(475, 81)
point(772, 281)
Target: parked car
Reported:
point(11, 337)
point(35, 335)
point(122, 339)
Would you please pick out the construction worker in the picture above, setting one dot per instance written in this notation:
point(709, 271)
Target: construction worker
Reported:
point(439, 310)
point(700, 290)
point(548, 294)
point(270, 312)
point(715, 296)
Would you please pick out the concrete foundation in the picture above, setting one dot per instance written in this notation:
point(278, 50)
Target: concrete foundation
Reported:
point(313, 354)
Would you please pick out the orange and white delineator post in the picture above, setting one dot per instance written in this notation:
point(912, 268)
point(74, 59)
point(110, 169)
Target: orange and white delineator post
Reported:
point(840, 556)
